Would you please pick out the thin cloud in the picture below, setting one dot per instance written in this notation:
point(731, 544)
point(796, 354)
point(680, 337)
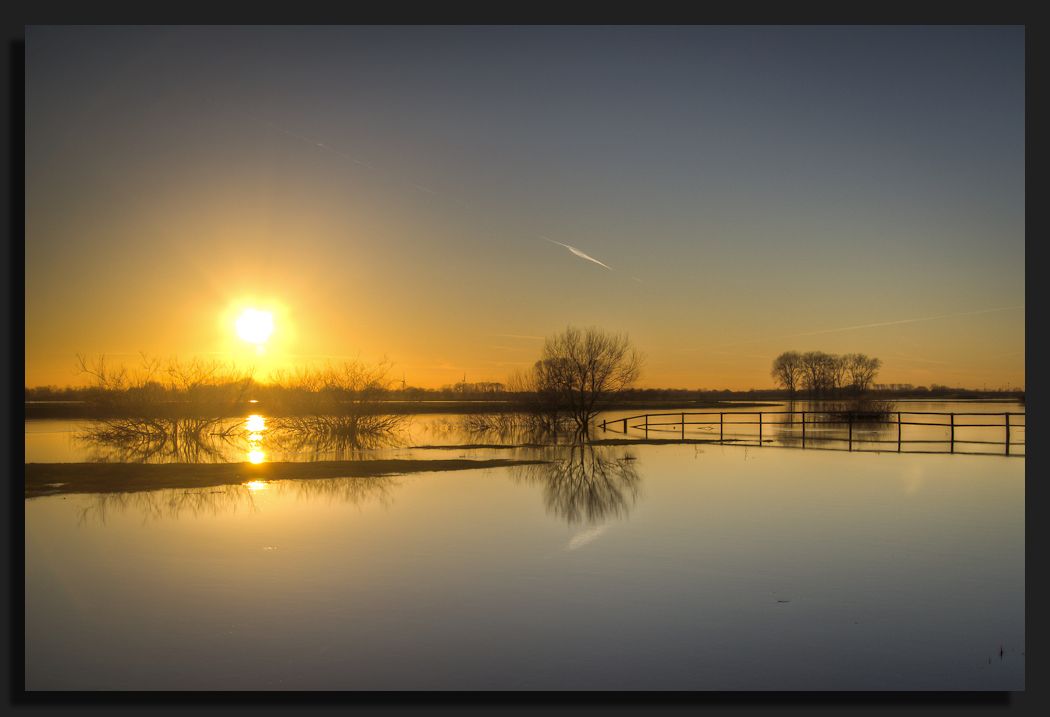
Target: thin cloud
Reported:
point(857, 327)
point(740, 355)
point(327, 356)
point(579, 253)
point(907, 321)
point(423, 188)
point(916, 359)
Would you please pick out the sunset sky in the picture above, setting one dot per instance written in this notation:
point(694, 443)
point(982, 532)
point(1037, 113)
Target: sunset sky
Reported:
point(412, 193)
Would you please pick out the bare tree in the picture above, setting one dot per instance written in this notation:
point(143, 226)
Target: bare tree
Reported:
point(860, 371)
point(580, 370)
point(821, 372)
point(836, 370)
point(787, 370)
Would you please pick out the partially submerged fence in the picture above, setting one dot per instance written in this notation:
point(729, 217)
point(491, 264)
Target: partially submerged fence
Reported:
point(847, 421)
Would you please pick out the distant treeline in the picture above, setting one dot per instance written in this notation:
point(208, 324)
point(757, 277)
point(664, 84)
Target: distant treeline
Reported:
point(636, 395)
point(203, 389)
point(456, 392)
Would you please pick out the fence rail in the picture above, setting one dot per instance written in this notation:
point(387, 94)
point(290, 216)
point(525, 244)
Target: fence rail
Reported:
point(849, 419)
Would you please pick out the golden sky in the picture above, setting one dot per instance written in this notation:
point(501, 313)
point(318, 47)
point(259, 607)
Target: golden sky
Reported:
point(413, 194)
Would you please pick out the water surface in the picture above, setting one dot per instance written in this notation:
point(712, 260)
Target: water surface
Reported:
point(698, 567)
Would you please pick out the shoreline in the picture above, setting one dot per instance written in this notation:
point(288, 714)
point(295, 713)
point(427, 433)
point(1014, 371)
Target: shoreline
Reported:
point(66, 409)
point(45, 479)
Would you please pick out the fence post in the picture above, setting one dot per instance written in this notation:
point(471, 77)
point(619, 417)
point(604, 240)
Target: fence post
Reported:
point(625, 426)
point(759, 428)
point(1007, 417)
point(647, 425)
point(849, 417)
point(898, 431)
point(683, 426)
point(803, 429)
point(721, 424)
point(951, 417)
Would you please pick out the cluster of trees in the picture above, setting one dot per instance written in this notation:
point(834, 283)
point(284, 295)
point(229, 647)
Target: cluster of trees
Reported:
point(205, 386)
point(824, 374)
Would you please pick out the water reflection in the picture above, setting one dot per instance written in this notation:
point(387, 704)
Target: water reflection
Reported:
point(254, 439)
point(585, 483)
point(171, 503)
point(341, 438)
point(254, 426)
point(259, 439)
point(176, 503)
point(580, 483)
point(157, 440)
point(861, 425)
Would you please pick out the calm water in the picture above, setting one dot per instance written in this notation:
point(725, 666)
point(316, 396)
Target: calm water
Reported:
point(710, 567)
point(64, 441)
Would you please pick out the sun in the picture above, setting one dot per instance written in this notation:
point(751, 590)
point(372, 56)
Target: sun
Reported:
point(255, 326)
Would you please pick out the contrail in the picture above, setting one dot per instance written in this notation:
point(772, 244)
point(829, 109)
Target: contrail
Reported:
point(580, 539)
point(578, 253)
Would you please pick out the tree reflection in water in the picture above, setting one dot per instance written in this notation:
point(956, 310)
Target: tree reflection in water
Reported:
point(582, 483)
point(321, 438)
point(211, 440)
point(178, 503)
point(585, 483)
point(158, 440)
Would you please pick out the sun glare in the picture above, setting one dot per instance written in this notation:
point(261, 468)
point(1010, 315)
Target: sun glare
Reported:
point(255, 326)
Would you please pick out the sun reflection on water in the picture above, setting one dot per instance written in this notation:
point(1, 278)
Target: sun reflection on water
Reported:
point(256, 424)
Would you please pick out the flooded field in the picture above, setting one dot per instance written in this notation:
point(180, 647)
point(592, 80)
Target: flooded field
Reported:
point(696, 566)
point(251, 439)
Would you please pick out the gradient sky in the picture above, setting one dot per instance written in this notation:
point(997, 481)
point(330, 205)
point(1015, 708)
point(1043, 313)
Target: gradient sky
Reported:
point(398, 191)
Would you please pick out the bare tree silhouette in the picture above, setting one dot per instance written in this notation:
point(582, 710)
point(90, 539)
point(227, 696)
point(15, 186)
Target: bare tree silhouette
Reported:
point(787, 370)
point(580, 370)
